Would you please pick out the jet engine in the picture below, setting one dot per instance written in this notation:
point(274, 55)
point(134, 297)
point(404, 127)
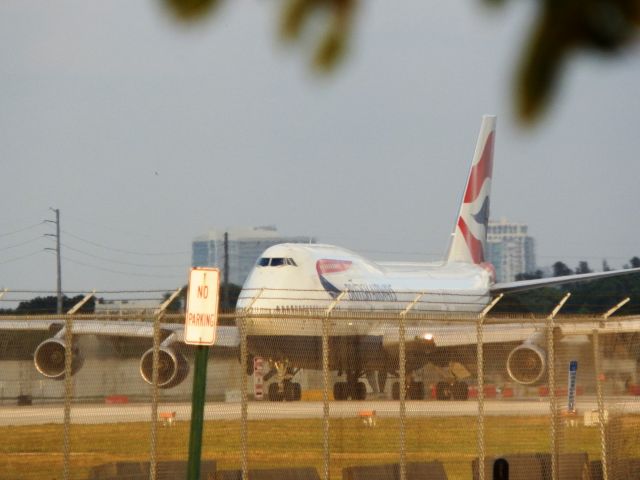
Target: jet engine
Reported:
point(173, 367)
point(49, 358)
point(527, 364)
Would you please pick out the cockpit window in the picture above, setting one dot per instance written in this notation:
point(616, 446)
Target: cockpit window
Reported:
point(276, 262)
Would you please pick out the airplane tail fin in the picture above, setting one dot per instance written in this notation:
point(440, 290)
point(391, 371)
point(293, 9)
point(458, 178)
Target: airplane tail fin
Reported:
point(469, 236)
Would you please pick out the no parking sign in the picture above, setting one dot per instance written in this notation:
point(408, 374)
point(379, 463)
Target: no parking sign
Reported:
point(202, 306)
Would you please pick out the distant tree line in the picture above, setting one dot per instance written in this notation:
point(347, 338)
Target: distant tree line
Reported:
point(47, 305)
point(593, 297)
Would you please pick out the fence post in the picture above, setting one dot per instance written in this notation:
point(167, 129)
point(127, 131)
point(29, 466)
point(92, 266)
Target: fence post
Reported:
point(402, 373)
point(153, 448)
point(244, 399)
point(598, 371)
point(68, 383)
point(325, 386)
point(244, 394)
point(480, 375)
point(553, 403)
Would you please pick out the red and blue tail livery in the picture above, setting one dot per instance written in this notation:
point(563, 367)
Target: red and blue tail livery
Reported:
point(470, 233)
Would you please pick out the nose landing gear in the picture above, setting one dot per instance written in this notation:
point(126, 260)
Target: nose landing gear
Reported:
point(284, 388)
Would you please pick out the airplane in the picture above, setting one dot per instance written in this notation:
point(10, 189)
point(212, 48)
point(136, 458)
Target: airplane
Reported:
point(299, 277)
point(292, 283)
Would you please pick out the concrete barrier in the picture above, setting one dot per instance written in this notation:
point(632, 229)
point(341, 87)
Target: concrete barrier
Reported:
point(167, 470)
point(415, 470)
point(302, 473)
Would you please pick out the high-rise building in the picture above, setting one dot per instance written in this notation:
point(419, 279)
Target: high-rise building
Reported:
point(510, 249)
point(244, 246)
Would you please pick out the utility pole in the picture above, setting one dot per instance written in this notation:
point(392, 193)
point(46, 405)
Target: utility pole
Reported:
point(225, 281)
point(59, 265)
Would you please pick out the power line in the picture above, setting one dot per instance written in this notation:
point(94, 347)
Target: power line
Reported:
point(16, 245)
point(21, 229)
point(98, 257)
point(110, 228)
point(133, 274)
point(95, 244)
point(21, 257)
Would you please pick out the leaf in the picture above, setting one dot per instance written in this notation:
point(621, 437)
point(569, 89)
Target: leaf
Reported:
point(190, 10)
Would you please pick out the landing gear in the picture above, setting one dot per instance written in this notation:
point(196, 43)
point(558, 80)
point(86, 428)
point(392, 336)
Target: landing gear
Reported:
point(289, 391)
point(340, 391)
point(275, 394)
point(353, 388)
point(284, 388)
point(415, 390)
point(460, 390)
point(292, 391)
point(360, 392)
point(443, 391)
point(354, 391)
point(447, 390)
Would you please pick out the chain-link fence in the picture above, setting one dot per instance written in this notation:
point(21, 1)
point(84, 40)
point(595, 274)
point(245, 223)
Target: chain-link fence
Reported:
point(323, 392)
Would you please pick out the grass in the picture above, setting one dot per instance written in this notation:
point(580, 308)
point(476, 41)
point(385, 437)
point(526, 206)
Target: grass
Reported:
point(35, 452)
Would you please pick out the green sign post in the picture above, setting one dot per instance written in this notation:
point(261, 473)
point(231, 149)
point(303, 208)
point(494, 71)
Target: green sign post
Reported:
point(197, 411)
point(200, 329)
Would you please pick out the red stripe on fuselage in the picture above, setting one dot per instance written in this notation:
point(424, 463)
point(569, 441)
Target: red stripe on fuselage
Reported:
point(325, 266)
point(480, 171)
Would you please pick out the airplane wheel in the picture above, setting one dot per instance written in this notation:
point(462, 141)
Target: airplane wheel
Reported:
point(297, 391)
point(289, 391)
point(443, 391)
point(292, 391)
point(249, 365)
point(360, 391)
point(275, 395)
point(460, 391)
point(416, 391)
point(340, 391)
point(395, 391)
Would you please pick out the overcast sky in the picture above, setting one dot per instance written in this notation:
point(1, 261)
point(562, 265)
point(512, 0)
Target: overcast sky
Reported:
point(145, 134)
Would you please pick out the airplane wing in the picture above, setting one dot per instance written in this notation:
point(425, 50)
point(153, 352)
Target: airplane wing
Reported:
point(49, 356)
point(455, 334)
point(459, 334)
point(226, 336)
point(522, 285)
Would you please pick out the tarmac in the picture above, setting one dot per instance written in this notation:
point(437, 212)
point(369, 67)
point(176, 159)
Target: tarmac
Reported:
point(265, 410)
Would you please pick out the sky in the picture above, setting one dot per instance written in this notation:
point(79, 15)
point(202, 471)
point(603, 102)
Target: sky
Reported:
point(146, 133)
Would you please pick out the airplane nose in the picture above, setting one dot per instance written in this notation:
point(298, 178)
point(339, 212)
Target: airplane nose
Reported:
point(251, 288)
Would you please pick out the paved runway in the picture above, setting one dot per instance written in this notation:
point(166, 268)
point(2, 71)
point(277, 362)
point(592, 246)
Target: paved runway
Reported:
point(141, 412)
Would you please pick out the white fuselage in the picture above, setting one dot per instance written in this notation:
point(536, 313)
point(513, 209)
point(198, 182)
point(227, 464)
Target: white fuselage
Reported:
point(297, 277)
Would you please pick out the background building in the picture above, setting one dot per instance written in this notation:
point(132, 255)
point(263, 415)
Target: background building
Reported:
point(510, 249)
point(244, 247)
